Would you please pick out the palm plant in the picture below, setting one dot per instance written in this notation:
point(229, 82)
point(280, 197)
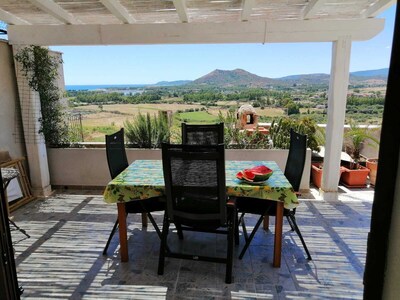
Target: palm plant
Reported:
point(355, 140)
point(147, 131)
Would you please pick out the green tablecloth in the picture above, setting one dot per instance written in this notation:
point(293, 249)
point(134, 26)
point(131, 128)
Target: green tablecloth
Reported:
point(144, 179)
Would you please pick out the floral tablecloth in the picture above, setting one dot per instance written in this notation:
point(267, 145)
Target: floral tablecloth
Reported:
point(144, 179)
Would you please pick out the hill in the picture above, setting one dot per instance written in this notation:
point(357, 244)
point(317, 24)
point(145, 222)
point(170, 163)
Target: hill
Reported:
point(309, 79)
point(372, 73)
point(242, 78)
point(172, 83)
point(237, 77)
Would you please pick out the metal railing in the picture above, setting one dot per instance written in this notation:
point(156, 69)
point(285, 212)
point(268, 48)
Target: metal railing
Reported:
point(75, 129)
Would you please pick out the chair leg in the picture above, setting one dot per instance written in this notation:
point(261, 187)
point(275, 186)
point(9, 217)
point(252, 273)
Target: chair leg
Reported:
point(144, 219)
point(179, 230)
point(248, 241)
point(163, 245)
point(18, 228)
point(110, 237)
point(290, 223)
point(241, 221)
point(231, 237)
point(266, 223)
point(153, 222)
point(236, 229)
point(296, 228)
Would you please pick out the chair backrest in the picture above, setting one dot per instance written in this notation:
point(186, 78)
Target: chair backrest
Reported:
point(116, 155)
point(296, 159)
point(195, 184)
point(208, 134)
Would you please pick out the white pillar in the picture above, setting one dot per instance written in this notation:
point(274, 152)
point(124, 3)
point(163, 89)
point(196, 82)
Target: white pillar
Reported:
point(338, 86)
point(34, 142)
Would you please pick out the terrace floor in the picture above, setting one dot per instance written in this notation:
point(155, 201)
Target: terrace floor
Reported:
point(63, 258)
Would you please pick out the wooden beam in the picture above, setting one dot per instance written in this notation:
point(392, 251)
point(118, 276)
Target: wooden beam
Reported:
point(56, 11)
point(180, 6)
point(11, 19)
point(378, 7)
point(118, 10)
point(247, 8)
point(195, 33)
point(311, 9)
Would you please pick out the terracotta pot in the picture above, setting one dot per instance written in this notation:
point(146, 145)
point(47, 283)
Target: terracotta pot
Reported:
point(372, 165)
point(316, 174)
point(356, 177)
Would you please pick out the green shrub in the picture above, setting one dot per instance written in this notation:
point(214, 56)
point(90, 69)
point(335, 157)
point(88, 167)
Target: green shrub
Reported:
point(147, 131)
point(280, 132)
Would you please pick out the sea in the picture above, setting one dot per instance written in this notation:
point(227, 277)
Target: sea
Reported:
point(102, 87)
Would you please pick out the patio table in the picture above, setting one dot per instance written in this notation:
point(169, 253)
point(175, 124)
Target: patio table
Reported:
point(144, 179)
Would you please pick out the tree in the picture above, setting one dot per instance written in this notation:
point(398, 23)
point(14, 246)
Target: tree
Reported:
point(292, 108)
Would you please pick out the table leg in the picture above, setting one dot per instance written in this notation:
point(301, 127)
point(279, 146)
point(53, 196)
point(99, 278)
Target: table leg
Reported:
point(123, 240)
point(266, 223)
point(278, 235)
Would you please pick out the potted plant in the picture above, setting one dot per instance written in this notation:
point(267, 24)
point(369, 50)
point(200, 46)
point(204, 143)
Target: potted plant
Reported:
point(316, 173)
point(355, 175)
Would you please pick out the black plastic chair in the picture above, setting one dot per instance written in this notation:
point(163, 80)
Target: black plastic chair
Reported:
point(196, 198)
point(293, 172)
point(208, 134)
point(117, 162)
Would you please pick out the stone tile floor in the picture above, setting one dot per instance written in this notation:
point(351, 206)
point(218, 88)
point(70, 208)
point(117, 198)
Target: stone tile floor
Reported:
point(63, 258)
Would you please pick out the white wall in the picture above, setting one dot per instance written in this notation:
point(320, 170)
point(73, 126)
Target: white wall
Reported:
point(88, 167)
point(11, 136)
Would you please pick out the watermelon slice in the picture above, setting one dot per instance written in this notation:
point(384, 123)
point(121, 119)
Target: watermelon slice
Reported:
point(255, 174)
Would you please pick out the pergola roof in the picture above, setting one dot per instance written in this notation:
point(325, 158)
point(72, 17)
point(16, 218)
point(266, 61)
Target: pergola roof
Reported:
point(189, 21)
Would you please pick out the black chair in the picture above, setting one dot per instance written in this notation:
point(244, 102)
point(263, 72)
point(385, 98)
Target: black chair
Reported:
point(293, 172)
point(117, 162)
point(208, 134)
point(202, 134)
point(196, 198)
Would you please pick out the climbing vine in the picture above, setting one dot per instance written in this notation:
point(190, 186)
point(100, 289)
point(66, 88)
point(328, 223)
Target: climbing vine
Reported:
point(41, 70)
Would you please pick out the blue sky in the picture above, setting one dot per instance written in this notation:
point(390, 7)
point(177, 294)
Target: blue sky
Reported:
point(150, 64)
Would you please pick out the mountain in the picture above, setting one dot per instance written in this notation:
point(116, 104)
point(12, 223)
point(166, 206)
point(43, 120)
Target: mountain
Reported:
point(372, 73)
point(237, 77)
point(311, 79)
point(240, 77)
point(172, 83)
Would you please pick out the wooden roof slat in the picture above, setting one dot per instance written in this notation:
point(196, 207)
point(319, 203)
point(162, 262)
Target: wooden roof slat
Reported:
point(55, 10)
point(109, 12)
point(9, 18)
point(118, 10)
point(181, 10)
point(377, 8)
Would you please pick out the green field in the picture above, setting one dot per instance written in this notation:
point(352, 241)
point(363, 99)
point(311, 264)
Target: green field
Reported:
point(197, 117)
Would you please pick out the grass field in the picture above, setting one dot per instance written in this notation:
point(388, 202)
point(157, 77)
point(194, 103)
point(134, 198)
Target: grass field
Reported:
point(97, 122)
point(197, 117)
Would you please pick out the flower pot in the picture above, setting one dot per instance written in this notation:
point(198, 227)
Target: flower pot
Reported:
point(355, 177)
point(372, 165)
point(316, 174)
